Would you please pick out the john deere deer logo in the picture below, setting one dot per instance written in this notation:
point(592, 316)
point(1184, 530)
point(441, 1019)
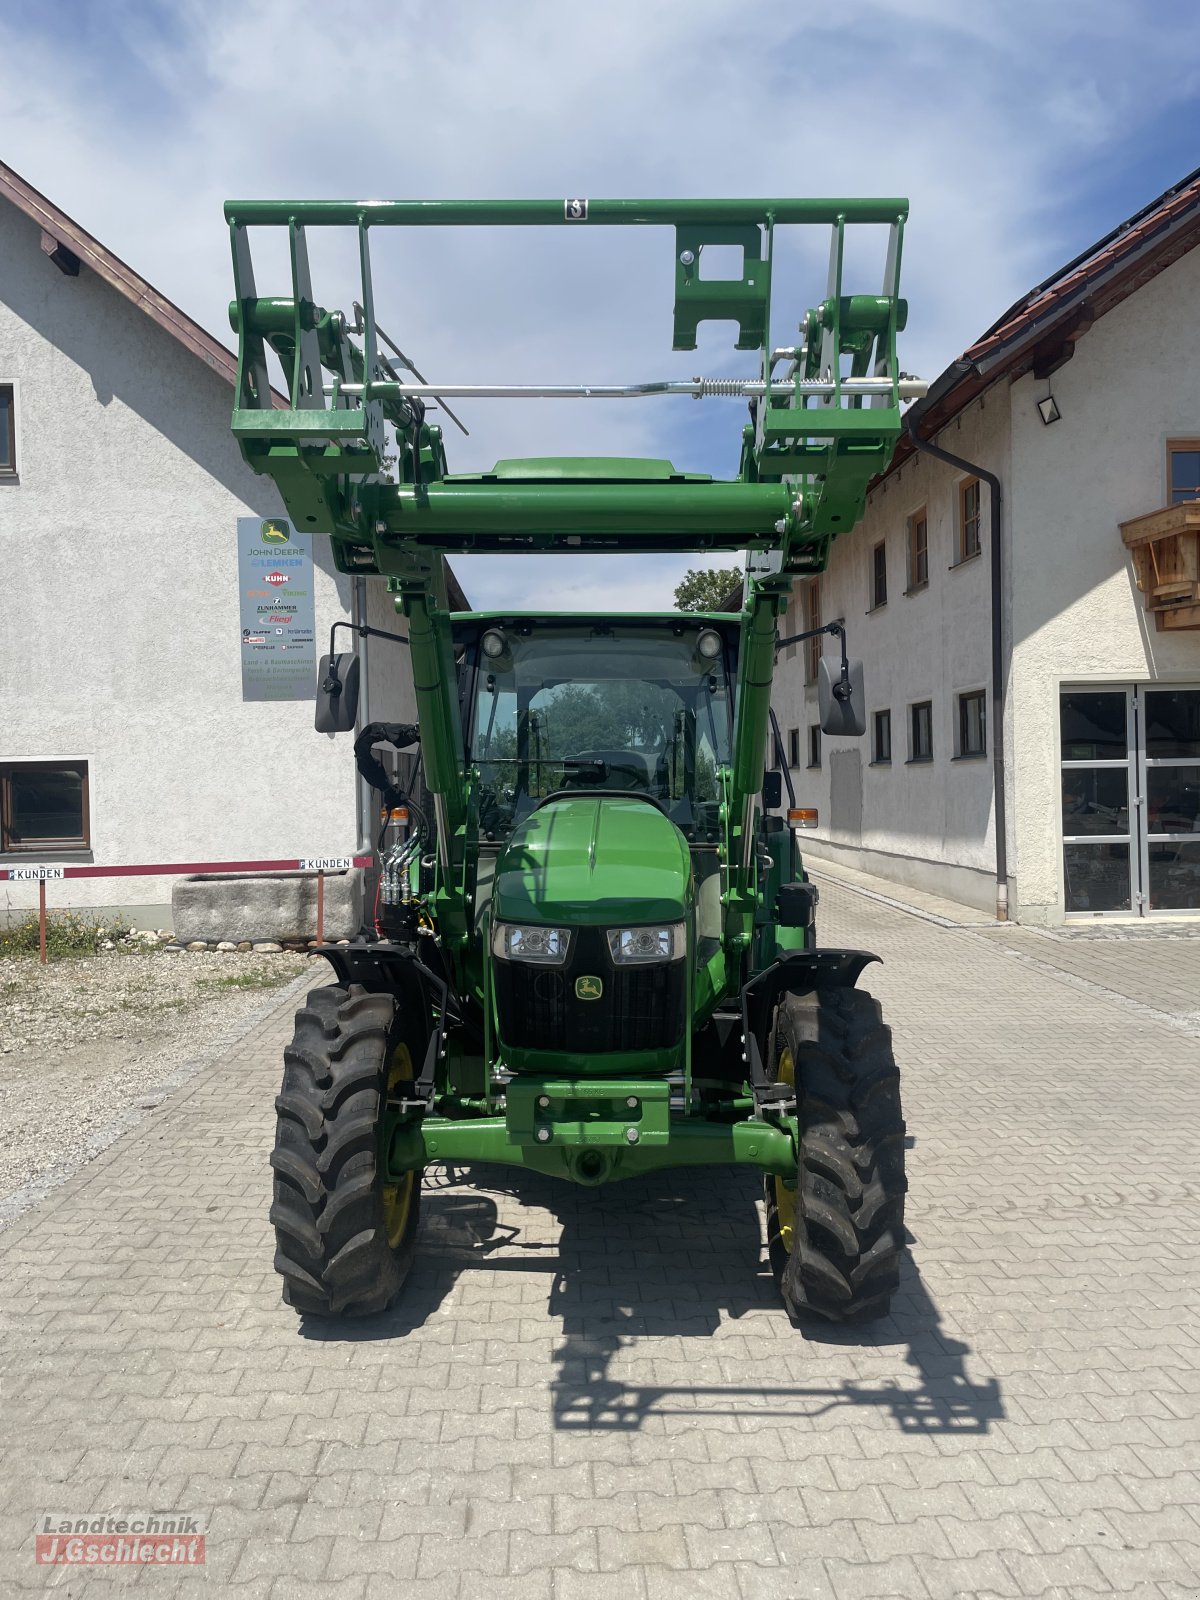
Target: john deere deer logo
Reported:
point(273, 532)
point(588, 988)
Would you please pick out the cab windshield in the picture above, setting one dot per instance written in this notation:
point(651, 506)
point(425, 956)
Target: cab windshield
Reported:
point(620, 707)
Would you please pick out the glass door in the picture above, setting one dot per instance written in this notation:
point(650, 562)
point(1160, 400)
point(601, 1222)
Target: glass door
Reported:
point(1170, 784)
point(1098, 775)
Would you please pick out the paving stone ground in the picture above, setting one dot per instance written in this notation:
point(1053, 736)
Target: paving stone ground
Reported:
point(597, 1393)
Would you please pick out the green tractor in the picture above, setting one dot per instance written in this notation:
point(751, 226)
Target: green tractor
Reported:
point(593, 953)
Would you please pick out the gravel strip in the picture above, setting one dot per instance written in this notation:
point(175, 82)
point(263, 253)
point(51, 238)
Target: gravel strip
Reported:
point(88, 1046)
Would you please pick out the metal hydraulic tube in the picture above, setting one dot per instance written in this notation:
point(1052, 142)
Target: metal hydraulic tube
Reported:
point(696, 388)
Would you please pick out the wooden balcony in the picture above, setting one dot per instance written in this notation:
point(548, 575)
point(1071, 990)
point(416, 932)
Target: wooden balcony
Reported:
point(1165, 546)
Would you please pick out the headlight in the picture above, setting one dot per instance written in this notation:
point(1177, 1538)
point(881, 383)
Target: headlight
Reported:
point(516, 941)
point(639, 946)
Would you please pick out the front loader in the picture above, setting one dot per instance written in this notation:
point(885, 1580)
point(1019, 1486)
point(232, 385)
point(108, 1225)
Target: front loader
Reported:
point(593, 953)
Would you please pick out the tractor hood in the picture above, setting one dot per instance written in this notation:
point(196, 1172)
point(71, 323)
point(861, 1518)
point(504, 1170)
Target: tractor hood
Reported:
point(594, 860)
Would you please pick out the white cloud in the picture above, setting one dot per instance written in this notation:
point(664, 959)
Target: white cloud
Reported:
point(143, 122)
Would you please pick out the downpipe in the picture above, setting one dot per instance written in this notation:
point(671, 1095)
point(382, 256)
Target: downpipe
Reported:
point(997, 627)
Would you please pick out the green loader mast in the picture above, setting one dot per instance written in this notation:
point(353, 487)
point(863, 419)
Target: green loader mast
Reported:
point(597, 950)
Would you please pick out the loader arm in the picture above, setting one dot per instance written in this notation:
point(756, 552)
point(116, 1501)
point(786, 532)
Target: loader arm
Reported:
point(350, 446)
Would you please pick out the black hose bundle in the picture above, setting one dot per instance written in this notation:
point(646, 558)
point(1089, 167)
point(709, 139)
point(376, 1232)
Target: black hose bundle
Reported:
point(400, 735)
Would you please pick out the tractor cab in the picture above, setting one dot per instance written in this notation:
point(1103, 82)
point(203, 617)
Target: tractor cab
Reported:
point(636, 706)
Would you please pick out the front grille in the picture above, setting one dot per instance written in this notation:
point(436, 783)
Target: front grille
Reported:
point(642, 1008)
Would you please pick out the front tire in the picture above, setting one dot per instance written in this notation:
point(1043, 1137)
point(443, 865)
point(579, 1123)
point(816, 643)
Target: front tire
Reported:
point(345, 1238)
point(835, 1236)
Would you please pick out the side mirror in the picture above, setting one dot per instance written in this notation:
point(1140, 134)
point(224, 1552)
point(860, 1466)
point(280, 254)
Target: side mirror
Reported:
point(772, 790)
point(842, 706)
point(337, 693)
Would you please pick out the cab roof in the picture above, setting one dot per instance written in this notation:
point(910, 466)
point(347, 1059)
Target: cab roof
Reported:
point(581, 469)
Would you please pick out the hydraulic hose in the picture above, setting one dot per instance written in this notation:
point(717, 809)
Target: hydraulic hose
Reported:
point(400, 735)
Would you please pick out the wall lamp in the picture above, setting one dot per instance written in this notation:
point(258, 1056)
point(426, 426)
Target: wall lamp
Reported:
point(1048, 410)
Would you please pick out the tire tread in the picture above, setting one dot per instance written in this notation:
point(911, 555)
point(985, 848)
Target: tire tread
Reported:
point(845, 1261)
point(332, 1250)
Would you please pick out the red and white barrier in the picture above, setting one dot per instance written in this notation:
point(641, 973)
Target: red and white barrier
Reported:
point(41, 875)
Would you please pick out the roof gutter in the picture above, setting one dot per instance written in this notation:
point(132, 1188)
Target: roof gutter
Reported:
point(911, 422)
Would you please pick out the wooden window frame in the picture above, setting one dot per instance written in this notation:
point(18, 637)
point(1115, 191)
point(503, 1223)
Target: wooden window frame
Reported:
point(964, 522)
point(964, 753)
point(814, 745)
point(812, 619)
point(914, 758)
point(80, 842)
point(1179, 446)
point(11, 470)
point(915, 583)
point(876, 759)
point(879, 595)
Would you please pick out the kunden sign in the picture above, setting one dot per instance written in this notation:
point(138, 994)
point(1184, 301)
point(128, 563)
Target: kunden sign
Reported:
point(275, 575)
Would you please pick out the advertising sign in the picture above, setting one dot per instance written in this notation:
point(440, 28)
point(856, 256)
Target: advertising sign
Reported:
point(275, 576)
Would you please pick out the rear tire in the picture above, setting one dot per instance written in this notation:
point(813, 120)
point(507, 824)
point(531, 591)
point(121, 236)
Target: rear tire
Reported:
point(836, 1236)
point(345, 1239)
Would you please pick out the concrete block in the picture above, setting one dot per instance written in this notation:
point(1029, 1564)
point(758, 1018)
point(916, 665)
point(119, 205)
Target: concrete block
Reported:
point(265, 906)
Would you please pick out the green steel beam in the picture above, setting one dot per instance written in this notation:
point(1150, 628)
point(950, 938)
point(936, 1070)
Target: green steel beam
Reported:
point(769, 1146)
point(725, 514)
point(756, 669)
point(547, 213)
point(434, 683)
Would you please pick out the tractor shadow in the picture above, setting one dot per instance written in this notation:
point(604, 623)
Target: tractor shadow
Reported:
point(677, 1257)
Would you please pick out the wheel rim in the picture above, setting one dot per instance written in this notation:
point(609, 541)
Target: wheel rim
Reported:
point(398, 1196)
point(785, 1193)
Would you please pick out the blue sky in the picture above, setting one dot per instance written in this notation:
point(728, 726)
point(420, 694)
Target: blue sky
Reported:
point(1020, 132)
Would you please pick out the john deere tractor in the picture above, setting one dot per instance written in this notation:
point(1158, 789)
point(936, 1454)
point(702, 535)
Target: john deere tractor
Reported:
point(593, 952)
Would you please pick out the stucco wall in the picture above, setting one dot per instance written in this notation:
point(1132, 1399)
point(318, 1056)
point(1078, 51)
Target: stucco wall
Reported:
point(120, 627)
point(1077, 616)
point(390, 688)
point(929, 825)
point(1071, 610)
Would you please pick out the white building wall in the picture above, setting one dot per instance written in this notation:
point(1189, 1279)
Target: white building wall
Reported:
point(119, 621)
point(387, 693)
point(390, 696)
point(1072, 611)
point(1078, 617)
point(929, 825)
